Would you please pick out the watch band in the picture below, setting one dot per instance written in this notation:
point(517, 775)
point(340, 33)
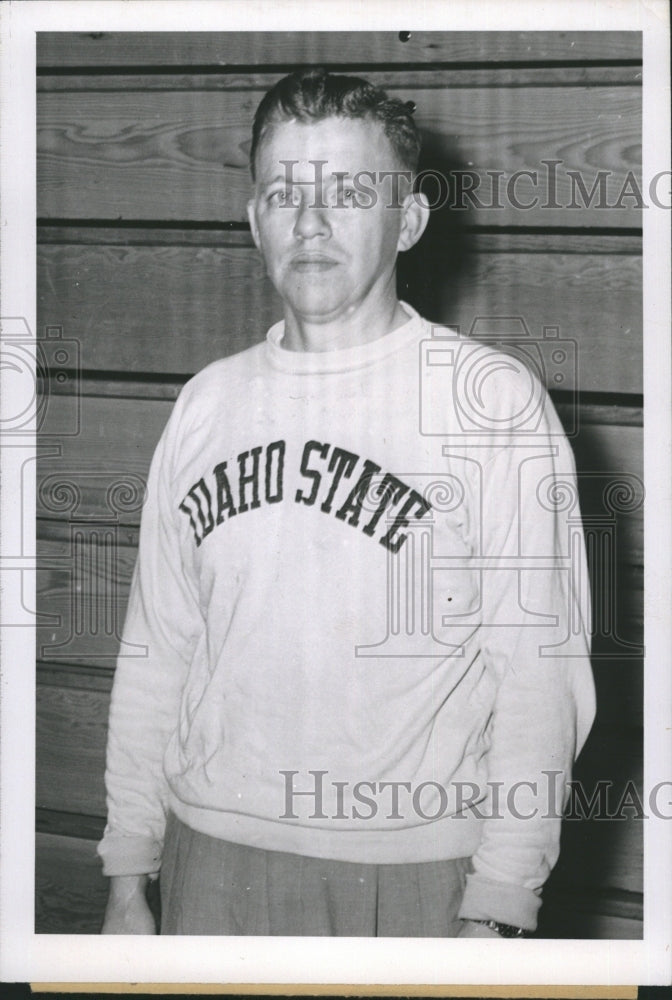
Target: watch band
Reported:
point(504, 930)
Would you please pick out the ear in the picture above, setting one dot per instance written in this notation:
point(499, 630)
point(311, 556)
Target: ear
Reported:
point(252, 218)
point(414, 219)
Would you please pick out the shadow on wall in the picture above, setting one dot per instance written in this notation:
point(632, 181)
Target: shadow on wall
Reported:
point(429, 276)
point(600, 850)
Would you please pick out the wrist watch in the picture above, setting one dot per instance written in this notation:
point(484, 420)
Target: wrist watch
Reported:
point(504, 930)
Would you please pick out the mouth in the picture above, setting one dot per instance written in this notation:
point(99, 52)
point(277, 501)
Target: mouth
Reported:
point(314, 262)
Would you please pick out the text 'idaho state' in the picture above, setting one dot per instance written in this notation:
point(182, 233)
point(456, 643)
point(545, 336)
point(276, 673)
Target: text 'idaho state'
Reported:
point(338, 481)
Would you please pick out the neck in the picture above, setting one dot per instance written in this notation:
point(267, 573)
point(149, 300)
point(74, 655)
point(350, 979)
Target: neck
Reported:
point(361, 323)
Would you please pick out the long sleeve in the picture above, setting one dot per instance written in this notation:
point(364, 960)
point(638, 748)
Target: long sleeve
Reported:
point(162, 628)
point(536, 649)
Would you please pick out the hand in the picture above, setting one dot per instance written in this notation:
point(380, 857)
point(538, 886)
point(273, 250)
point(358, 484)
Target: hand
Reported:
point(470, 929)
point(127, 909)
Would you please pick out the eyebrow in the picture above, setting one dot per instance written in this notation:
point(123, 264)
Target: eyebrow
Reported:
point(274, 180)
point(331, 175)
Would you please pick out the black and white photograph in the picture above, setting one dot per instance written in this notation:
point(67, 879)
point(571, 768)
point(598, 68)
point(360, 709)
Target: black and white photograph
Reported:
point(330, 369)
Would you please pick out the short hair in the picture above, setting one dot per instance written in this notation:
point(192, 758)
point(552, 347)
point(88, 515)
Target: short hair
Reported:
point(310, 95)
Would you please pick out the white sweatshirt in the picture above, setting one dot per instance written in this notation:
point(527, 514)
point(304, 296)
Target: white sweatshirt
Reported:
point(360, 608)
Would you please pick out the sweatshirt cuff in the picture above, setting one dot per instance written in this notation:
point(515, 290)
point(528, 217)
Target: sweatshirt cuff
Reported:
point(130, 855)
point(502, 901)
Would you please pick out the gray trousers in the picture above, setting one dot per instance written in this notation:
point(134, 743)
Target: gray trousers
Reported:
point(212, 886)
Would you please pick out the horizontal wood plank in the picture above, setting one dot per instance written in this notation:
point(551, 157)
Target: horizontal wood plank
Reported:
point(231, 49)
point(183, 155)
point(71, 894)
point(162, 308)
point(619, 683)
point(393, 78)
point(70, 747)
point(609, 463)
point(601, 852)
point(65, 690)
point(70, 889)
point(618, 410)
point(607, 849)
point(66, 824)
point(155, 309)
point(608, 915)
point(101, 471)
point(232, 235)
point(84, 586)
point(590, 302)
point(90, 501)
point(173, 146)
point(590, 926)
point(82, 676)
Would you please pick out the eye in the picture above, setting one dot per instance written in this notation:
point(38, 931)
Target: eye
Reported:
point(281, 196)
point(346, 196)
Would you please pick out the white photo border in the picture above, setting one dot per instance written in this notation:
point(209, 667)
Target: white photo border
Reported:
point(83, 959)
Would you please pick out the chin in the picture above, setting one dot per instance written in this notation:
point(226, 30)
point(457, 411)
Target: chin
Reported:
point(317, 306)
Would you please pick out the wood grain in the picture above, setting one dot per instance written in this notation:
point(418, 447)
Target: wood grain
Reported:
point(71, 736)
point(162, 308)
point(179, 307)
point(66, 824)
point(101, 471)
point(593, 302)
point(71, 894)
point(183, 155)
point(70, 889)
point(619, 683)
point(87, 588)
point(149, 306)
point(70, 744)
point(90, 501)
point(231, 49)
point(102, 468)
point(392, 78)
point(609, 462)
point(231, 235)
point(608, 915)
point(82, 677)
point(599, 851)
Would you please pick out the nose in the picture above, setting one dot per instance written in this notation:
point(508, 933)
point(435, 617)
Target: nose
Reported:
point(311, 219)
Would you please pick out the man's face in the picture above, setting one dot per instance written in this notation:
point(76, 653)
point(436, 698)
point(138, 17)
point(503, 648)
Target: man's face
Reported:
point(327, 243)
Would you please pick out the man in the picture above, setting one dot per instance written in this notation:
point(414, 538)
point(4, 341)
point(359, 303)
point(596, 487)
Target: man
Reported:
point(362, 696)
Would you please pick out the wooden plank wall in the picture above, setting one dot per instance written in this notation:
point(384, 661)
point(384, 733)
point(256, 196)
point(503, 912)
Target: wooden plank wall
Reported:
point(146, 272)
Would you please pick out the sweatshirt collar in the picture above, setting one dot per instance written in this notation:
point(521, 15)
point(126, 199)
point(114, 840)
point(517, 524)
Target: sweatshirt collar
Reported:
point(345, 359)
